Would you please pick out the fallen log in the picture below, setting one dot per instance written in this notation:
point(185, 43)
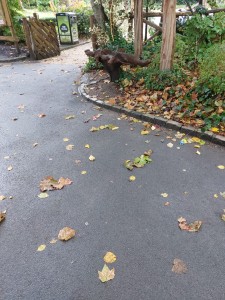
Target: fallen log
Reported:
point(113, 60)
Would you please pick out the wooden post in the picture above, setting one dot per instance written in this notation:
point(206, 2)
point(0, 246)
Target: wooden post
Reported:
point(168, 35)
point(138, 27)
point(93, 35)
point(29, 43)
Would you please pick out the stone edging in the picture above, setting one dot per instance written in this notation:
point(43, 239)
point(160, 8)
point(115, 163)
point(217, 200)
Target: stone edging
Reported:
point(208, 135)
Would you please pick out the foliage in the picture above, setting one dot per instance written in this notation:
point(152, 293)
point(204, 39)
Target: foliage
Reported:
point(16, 14)
point(201, 32)
point(212, 69)
point(119, 43)
point(29, 4)
point(43, 5)
point(92, 65)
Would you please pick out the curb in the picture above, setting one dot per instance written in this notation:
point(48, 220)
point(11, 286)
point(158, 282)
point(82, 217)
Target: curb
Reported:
point(13, 59)
point(73, 46)
point(207, 135)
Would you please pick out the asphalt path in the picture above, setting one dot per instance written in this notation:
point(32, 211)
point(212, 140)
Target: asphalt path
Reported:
point(109, 212)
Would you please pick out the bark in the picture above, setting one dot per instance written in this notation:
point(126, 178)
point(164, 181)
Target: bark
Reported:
point(113, 60)
point(99, 13)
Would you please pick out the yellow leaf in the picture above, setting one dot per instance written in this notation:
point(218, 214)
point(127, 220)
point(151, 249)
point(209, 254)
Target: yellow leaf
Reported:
point(197, 146)
point(198, 152)
point(91, 158)
point(41, 248)
point(66, 234)
point(66, 140)
point(164, 195)
point(87, 146)
point(145, 132)
point(216, 196)
point(83, 172)
point(132, 178)
point(215, 129)
point(69, 117)
point(106, 274)
point(43, 195)
point(196, 139)
point(221, 167)
point(2, 197)
point(110, 258)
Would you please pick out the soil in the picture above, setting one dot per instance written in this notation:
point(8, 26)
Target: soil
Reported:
point(100, 86)
point(8, 50)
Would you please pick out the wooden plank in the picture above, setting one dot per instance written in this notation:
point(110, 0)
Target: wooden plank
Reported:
point(9, 38)
point(152, 24)
point(168, 35)
point(138, 27)
point(28, 38)
point(179, 13)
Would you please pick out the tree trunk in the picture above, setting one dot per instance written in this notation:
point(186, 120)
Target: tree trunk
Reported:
point(99, 13)
point(168, 35)
point(138, 27)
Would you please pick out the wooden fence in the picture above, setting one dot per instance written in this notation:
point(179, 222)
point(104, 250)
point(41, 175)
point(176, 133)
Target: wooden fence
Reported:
point(41, 38)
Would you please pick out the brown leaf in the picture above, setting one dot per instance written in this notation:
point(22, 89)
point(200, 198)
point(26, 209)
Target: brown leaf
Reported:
point(192, 227)
point(66, 234)
point(2, 215)
point(41, 115)
point(49, 183)
point(179, 266)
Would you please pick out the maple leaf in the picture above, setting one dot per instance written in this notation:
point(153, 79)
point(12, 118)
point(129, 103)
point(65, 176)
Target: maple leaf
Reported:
point(106, 274)
point(192, 227)
point(66, 234)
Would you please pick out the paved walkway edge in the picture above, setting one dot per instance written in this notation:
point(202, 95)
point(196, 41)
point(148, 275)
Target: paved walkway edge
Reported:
point(208, 135)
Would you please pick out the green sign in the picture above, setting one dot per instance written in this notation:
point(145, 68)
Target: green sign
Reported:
point(64, 29)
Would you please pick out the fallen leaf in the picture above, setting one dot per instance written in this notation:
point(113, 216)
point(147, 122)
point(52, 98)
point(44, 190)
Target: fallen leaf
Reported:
point(6, 157)
point(10, 197)
point(145, 132)
point(41, 248)
point(110, 258)
point(91, 158)
point(198, 152)
point(215, 129)
point(65, 140)
point(179, 266)
point(164, 195)
point(9, 168)
point(94, 118)
point(69, 117)
point(2, 197)
point(102, 127)
point(139, 162)
point(66, 234)
point(132, 178)
point(69, 147)
point(53, 241)
point(35, 145)
point(170, 145)
point(222, 194)
point(2, 215)
point(83, 172)
point(50, 184)
point(43, 195)
point(167, 203)
point(192, 227)
point(41, 115)
point(87, 146)
point(106, 274)
point(216, 196)
point(221, 167)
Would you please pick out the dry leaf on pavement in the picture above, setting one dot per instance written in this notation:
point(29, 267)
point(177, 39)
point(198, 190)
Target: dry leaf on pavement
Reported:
point(2, 215)
point(91, 158)
point(65, 140)
point(2, 197)
point(179, 266)
point(66, 234)
point(69, 117)
point(41, 115)
point(192, 227)
point(132, 178)
point(106, 274)
point(221, 167)
point(9, 168)
point(164, 195)
point(43, 195)
point(110, 258)
point(50, 184)
point(41, 248)
point(69, 147)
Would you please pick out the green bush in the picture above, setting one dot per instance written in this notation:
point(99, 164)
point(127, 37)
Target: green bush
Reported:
point(43, 5)
point(92, 65)
point(212, 69)
point(83, 21)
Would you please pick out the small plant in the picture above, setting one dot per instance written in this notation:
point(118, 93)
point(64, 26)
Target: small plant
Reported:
point(92, 65)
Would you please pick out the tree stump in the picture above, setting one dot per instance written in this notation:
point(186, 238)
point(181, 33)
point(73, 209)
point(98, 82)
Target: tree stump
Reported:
point(113, 60)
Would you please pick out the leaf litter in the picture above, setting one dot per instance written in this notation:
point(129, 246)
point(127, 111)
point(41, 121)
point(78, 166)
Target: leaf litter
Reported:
point(102, 127)
point(66, 234)
point(50, 184)
point(192, 227)
point(106, 274)
point(139, 162)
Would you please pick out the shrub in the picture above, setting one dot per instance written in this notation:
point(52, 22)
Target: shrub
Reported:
point(212, 69)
